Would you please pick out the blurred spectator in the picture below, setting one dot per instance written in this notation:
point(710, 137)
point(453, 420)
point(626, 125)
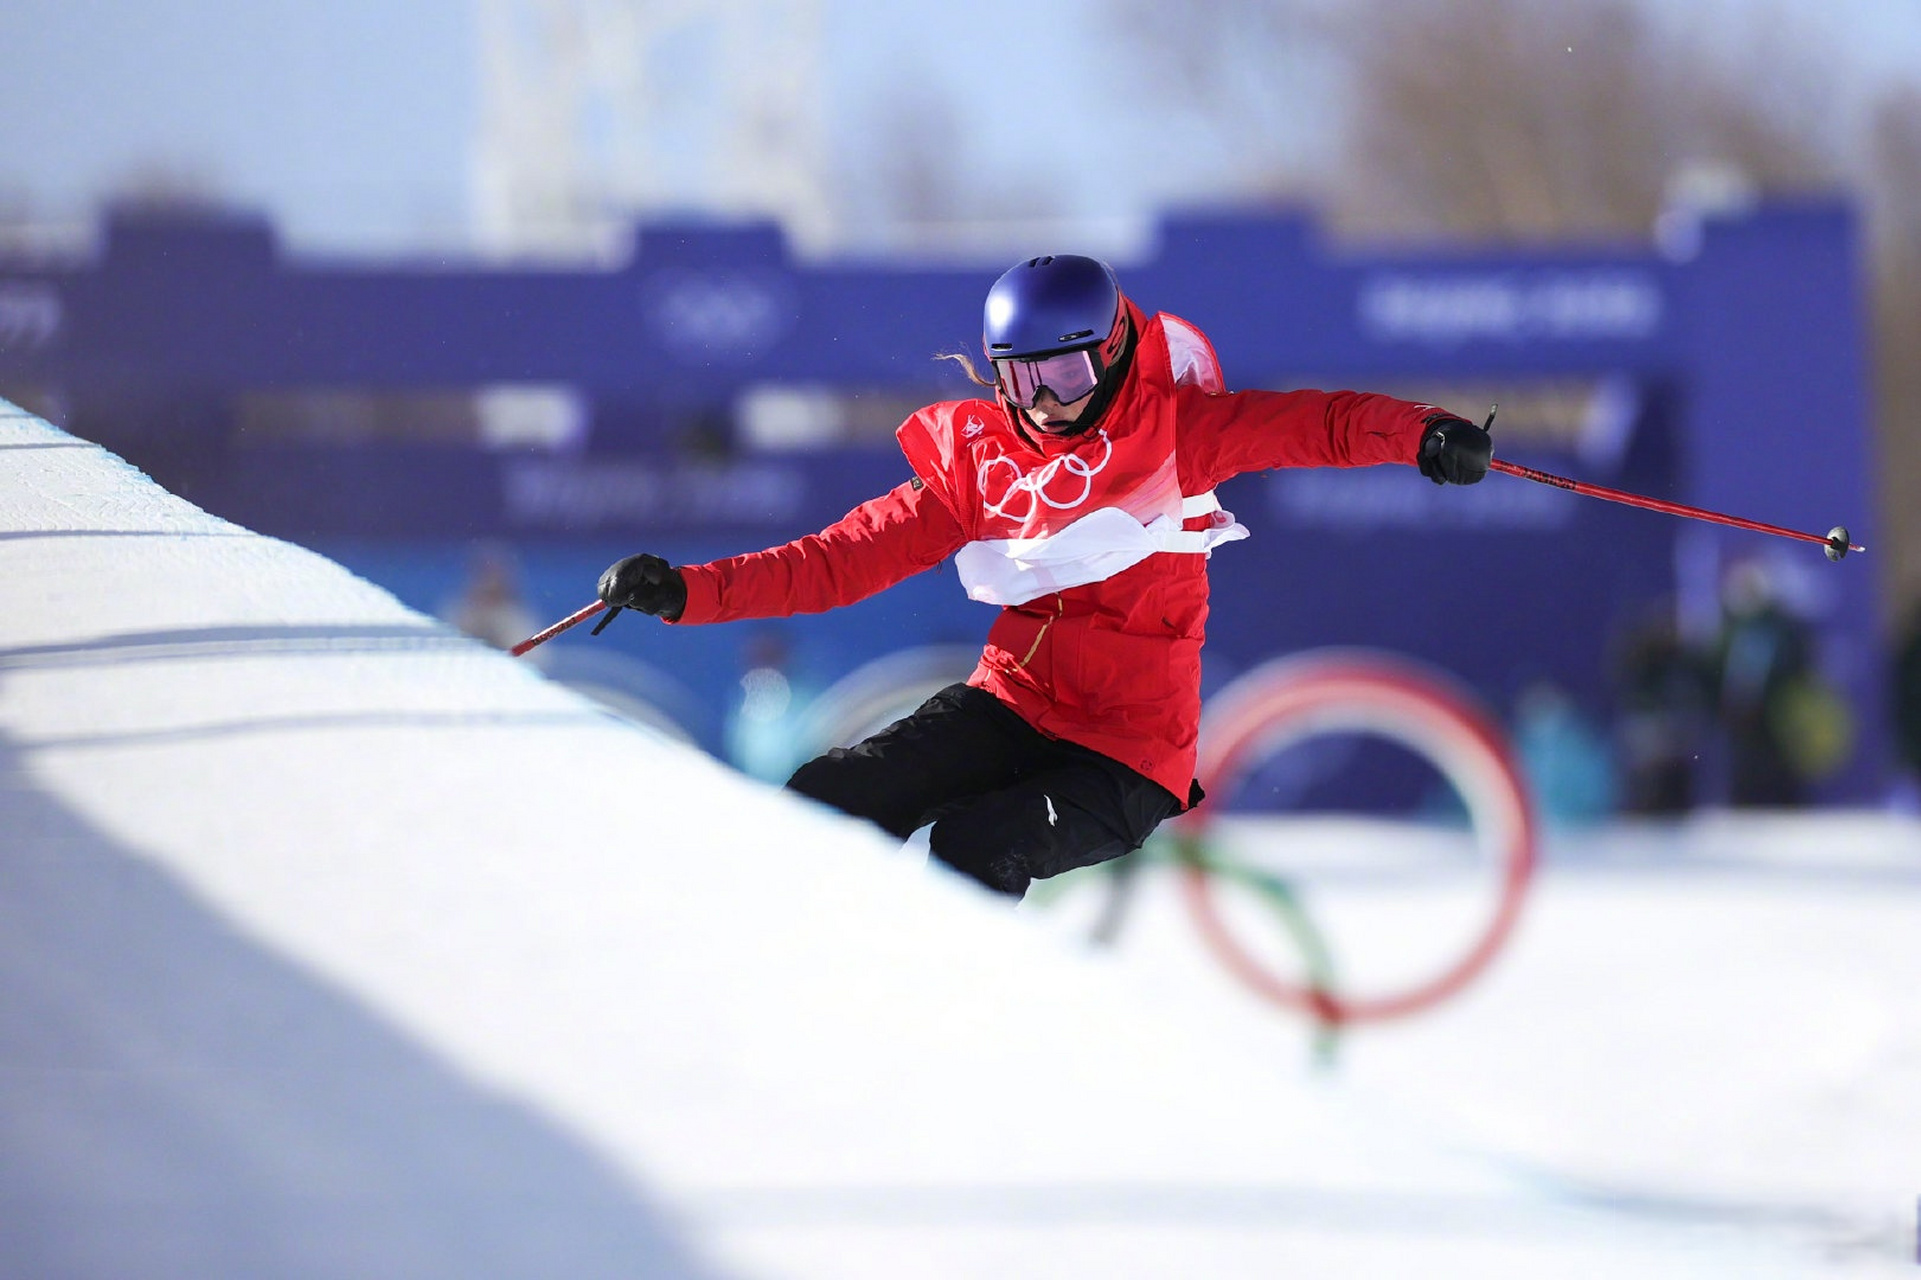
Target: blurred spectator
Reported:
point(705, 436)
point(1564, 756)
point(1784, 727)
point(489, 607)
point(1664, 688)
point(1907, 695)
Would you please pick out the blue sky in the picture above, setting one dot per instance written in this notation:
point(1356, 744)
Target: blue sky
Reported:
point(351, 122)
point(347, 119)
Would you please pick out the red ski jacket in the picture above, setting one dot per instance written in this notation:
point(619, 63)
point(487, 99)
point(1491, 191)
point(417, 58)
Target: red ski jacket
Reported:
point(1114, 664)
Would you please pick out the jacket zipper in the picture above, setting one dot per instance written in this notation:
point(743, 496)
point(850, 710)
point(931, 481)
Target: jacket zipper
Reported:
point(1060, 608)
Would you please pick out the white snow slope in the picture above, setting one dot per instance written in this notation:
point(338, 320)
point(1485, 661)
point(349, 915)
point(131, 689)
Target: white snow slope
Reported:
point(334, 945)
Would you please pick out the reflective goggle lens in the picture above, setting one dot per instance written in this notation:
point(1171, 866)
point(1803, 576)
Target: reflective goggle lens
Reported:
point(1069, 376)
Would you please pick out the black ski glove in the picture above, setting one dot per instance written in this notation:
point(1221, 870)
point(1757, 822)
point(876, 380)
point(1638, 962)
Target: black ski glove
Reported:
point(646, 583)
point(1454, 450)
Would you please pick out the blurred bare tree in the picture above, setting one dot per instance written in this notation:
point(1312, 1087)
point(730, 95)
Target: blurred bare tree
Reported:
point(913, 174)
point(1530, 121)
point(1508, 119)
point(166, 186)
point(1894, 187)
point(914, 188)
point(1522, 120)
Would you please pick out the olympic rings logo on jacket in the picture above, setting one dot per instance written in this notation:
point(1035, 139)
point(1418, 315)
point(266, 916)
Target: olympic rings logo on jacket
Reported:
point(1034, 484)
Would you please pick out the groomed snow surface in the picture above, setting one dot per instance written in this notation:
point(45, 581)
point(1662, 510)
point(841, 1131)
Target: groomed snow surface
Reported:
point(335, 945)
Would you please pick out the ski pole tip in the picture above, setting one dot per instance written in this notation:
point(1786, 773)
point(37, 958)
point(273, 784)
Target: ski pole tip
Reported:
point(1838, 543)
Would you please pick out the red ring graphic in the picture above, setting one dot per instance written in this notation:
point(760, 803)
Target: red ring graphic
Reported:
point(1394, 697)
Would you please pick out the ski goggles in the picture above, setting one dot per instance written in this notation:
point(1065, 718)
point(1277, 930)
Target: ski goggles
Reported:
point(1069, 375)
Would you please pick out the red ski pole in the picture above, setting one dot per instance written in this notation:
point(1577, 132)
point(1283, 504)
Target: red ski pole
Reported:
point(1836, 543)
point(572, 619)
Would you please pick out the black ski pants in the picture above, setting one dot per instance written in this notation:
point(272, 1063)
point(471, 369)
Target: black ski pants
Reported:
point(1009, 804)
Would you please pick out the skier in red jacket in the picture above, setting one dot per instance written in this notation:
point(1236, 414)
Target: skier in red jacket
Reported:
point(1080, 500)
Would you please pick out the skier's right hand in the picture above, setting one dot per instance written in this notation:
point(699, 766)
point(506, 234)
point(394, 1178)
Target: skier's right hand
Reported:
point(646, 583)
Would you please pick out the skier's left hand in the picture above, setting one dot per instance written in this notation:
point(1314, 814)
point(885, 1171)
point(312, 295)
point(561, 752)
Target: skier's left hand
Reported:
point(1454, 450)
